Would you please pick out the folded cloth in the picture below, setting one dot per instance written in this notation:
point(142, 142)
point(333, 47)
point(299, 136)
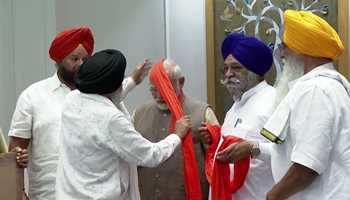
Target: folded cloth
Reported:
point(218, 173)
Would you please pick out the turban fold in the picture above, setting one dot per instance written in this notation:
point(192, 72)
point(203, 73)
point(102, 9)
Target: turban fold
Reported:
point(66, 41)
point(309, 34)
point(249, 51)
point(102, 73)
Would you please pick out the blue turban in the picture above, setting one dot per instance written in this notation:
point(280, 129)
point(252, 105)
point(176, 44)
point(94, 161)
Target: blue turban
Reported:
point(249, 51)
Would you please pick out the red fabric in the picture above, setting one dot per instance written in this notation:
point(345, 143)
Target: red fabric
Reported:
point(66, 41)
point(218, 173)
point(161, 81)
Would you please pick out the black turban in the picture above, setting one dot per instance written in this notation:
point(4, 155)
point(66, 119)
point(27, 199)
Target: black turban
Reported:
point(101, 73)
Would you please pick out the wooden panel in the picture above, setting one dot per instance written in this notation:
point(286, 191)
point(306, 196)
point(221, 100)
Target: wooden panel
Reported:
point(11, 181)
point(343, 28)
point(3, 143)
point(209, 14)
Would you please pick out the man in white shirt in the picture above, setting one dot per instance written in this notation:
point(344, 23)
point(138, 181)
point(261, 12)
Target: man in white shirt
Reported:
point(311, 125)
point(36, 120)
point(100, 148)
point(246, 61)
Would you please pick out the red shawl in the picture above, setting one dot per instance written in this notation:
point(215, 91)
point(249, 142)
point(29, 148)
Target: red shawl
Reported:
point(218, 173)
point(161, 81)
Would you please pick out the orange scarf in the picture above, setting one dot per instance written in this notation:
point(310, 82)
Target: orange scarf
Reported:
point(161, 81)
point(218, 173)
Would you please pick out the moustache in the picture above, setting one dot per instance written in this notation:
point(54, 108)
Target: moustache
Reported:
point(230, 81)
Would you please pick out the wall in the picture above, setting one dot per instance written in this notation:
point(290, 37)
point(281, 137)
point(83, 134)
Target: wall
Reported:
point(132, 26)
point(146, 29)
point(185, 22)
point(26, 29)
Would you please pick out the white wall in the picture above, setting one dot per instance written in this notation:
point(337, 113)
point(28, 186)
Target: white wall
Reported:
point(26, 29)
point(138, 29)
point(132, 26)
point(186, 38)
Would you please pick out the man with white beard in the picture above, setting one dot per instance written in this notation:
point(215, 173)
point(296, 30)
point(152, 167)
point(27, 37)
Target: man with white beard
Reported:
point(153, 120)
point(246, 61)
point(311, 125)
point(292, 70)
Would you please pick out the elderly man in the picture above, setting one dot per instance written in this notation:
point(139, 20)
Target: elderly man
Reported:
point(100, 147)
point(36, 119)
point(153, 120)
point(246, 62)
point(311, 125)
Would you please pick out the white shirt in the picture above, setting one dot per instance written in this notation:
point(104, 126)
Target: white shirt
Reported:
point(37, 117)
point(99, 149)
point(317, 134)
point(245, 119)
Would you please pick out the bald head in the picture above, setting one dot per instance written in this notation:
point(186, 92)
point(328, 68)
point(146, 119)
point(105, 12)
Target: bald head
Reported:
point(172, 69)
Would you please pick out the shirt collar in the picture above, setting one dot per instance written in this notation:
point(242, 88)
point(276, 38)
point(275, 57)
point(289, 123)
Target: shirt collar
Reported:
point(95, 97)
point(55, 83)
point(253, 91)
point(318, 70)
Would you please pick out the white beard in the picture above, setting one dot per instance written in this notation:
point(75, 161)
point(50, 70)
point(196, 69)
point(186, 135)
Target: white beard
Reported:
point(162, 106)
point(293, 69)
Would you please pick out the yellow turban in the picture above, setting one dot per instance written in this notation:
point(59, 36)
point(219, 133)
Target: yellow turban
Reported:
point(309, 34)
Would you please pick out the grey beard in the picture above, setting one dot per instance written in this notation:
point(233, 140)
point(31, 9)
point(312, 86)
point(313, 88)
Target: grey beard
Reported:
point(293, 69)
point(235, 92)
point(232, 86)
point(162, 106)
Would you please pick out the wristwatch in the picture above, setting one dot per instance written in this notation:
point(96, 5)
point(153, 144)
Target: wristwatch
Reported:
point(254, 150)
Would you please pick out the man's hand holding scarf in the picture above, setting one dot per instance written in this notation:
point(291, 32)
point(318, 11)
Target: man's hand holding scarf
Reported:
point(235, 152)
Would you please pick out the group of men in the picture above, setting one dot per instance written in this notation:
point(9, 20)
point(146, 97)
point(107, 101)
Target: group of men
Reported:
point(79, 141)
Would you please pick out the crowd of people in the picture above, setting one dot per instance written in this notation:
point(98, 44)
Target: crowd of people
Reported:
point(78, 141)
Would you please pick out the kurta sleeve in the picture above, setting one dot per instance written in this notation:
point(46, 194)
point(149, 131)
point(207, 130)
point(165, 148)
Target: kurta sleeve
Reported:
point(210, 117)
point(22, 120)
point(128, 84)
point(129, 145)
point(312, 121)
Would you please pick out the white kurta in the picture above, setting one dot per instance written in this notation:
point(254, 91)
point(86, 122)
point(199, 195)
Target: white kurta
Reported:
point(100, 148)
point(37, 117)
point(245, 119)
point(317, 134)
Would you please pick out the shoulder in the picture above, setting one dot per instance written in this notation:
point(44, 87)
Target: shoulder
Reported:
point(32, 92)
point(39, 86)
point(322, 85)
point(266, 92)
point(191, 102)
point(263, 101)
point(145, 107)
